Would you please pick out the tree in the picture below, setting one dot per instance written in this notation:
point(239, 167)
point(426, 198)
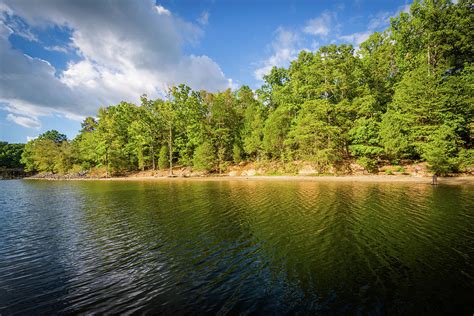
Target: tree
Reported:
point(275, 131)
point(314, 137)
point(138, 142)
point(366, 142)
point(163, 160)
point(89, 124)
point(10, 155)
point(105, 138)
point(223, 125)
point(395, 135)
point(54, 136)
point(169, 116)
point(441, 151)
point(41, 155)
point(253, 122)
point(204, 157)
point(405, 94)
point(47, 153)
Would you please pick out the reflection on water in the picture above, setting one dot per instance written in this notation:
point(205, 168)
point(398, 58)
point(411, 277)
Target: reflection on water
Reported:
point(235, 247)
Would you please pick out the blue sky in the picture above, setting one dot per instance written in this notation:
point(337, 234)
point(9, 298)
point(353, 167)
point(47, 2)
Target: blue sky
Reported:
point(61, 60)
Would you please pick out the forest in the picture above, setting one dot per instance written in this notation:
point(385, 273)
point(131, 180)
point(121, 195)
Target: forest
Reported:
point(406, 94)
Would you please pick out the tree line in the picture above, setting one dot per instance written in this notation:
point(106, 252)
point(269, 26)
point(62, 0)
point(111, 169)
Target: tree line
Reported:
point(10, 155)
point(405, 94)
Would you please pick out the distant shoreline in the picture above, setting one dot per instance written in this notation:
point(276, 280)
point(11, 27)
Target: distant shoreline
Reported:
point(343, 178)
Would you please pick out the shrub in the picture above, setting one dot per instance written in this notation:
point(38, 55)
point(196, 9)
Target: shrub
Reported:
point(237, 154)
point(466, 160)
point(75, 169)
point(204, 157)
point(163, 159)
point(369, 164)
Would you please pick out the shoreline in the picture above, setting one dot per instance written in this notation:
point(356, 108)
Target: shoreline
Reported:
point(345, 178)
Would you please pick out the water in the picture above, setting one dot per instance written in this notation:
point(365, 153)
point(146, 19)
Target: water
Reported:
point(230, 247)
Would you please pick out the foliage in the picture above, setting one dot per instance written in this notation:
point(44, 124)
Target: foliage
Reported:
point(236, 154)
point(369, 164)
point(440, 151)
point(163, 161)
point(204, 157)
point(10, 155)
point(405, 94)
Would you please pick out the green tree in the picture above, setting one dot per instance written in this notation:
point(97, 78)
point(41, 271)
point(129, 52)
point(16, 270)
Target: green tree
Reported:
point(54, 136)
point(163, 160)
point(275, 132)
point(47, 153)
point(441, 151)
point(10, 155)
point(405, 94)
point(204, 157)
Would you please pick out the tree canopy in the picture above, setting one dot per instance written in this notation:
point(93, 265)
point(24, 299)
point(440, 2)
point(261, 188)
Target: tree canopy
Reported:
point(406, 93)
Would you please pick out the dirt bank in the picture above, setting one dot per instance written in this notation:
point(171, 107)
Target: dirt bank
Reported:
point(349, 178)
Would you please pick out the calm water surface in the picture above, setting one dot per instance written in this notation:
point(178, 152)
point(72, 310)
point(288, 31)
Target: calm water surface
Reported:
point(231, 247)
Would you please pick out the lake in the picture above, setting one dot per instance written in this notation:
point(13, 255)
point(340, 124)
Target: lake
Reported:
point(235, 247)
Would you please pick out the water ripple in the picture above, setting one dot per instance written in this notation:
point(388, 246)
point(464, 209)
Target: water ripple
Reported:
point(235, 247)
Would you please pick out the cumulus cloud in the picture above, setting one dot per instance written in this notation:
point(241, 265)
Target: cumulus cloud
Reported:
point(29, 85)
point(125, 49)
point(356, 38)
point(24, 121)
point(284, 48)
point(162, 10)
point(288, 43)
point(321, 30)
point(320, 26)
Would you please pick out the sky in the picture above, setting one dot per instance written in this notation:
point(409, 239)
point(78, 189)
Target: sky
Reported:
point(62, 60)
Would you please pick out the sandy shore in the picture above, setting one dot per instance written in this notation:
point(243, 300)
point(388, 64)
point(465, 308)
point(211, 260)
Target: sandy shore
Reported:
point(364, 178)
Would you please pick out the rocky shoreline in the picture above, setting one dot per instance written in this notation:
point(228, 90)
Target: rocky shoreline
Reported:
point(458, 179)
point(297, 170)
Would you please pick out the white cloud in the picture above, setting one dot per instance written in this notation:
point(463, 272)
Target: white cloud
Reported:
point(57, 48)
point(284, 48)
point(406, 7)
point(17, 26)
point(80, 73)
point(162, 10)
point(381, 20)
point(287, 44)
point(320, 26)
point(377, 22)
point(24, 121)
point(356, 38)
point(203, 18)
point(28, 138)
point(126, 48)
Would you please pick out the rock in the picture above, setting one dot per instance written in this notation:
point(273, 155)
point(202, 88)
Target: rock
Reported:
point(249, 173)
point(307, 170)
point(356, 168)
point(198, 174)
